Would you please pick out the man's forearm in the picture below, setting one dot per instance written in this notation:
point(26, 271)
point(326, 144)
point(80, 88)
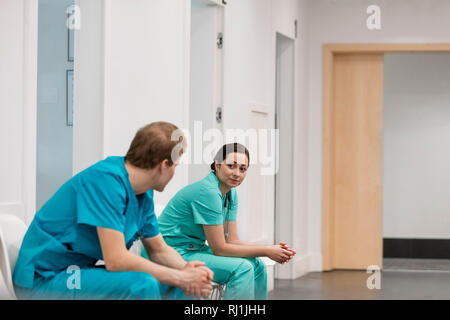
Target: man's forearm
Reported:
point(132, 262)
point(168, 257)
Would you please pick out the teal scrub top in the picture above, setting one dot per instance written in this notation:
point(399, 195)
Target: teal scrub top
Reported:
point(63, 232)
point(201, 203)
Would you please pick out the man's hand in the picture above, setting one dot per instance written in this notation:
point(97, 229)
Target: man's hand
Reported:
point(196, 280)
point(201, 265)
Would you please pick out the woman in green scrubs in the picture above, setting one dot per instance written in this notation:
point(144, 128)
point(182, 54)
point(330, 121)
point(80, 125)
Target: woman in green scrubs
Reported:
point(206, 211)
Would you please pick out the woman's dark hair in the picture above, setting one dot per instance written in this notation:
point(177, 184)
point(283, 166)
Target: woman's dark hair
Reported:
point(226, 150)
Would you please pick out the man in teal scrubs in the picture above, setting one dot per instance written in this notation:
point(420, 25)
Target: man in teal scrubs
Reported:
point(97, 215)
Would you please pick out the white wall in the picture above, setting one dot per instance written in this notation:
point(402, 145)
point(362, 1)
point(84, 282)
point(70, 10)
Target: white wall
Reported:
point(54, 137)
point(89, 87)
point(148, 72)
point(416, 139)
point(331, 21)
point(18, 73)
point(250, 55)
point(132, 67)
point(204, 81)
point(306, 260)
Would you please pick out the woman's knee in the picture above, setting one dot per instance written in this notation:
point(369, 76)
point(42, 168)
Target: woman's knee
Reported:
point(259, 265)
point(244, 267)
point(252, 265)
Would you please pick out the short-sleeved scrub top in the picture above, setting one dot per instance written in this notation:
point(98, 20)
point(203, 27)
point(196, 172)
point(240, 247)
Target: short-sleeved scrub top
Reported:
point(63, 232)
point(201, 203)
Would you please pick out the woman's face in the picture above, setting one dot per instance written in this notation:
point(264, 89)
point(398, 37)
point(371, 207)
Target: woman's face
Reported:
point(233, 169)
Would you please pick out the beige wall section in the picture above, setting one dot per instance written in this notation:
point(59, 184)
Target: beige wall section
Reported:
point(354, 183)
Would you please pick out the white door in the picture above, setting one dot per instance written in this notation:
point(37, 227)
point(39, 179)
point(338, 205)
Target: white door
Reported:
point(285, 124)
point(206, 74)
point(260, 177)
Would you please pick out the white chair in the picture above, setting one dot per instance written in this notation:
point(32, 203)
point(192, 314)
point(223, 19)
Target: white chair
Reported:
point(12, 231)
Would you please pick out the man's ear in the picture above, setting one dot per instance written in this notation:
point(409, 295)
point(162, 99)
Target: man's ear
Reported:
point(164, 164)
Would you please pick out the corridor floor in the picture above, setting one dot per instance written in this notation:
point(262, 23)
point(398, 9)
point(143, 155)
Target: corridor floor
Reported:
point(351, 285)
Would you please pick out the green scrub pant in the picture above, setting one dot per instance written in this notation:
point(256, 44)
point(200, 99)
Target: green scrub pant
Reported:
point(245, 278)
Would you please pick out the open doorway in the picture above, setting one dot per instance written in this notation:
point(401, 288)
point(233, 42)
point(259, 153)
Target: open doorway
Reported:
point(354, 180)
point(416, 161)
point(54, 98)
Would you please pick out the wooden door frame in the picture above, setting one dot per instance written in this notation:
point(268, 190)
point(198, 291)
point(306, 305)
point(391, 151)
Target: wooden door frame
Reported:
point(329, 52)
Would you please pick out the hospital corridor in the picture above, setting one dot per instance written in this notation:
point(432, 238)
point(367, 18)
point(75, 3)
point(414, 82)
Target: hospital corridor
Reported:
point(234, 150)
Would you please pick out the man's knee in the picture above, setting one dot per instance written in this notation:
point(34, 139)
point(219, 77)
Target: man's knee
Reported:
point(143, 286)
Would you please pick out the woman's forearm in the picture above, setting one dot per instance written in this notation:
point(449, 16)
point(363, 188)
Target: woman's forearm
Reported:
point(241, 243)
point(240, 250)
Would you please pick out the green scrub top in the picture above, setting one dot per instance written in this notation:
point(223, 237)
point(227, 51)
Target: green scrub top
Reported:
point(63, 232)
point(201, 203)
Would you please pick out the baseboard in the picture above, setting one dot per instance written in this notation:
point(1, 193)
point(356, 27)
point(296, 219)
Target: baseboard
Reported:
point(315, 262)
point(300, 266)
point(294, 269)
point(416, 248)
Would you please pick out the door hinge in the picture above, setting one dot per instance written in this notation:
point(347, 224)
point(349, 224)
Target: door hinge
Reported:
point(296, 28)
point(219, 115)
point(220, 40)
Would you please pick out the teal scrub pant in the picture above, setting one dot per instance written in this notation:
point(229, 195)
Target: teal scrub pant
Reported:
point(100, 284)
point(245, 278)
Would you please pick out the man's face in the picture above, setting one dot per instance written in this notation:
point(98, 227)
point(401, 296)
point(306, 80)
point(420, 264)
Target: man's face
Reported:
point(166, 174)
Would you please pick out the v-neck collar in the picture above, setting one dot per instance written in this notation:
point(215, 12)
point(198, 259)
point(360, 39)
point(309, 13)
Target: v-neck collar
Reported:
point(214, 178)
point(133, 197)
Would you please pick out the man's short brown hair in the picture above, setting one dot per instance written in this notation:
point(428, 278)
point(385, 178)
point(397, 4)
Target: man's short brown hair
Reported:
point(153, 144)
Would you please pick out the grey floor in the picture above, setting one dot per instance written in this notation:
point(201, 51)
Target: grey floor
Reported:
point(401, 279)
